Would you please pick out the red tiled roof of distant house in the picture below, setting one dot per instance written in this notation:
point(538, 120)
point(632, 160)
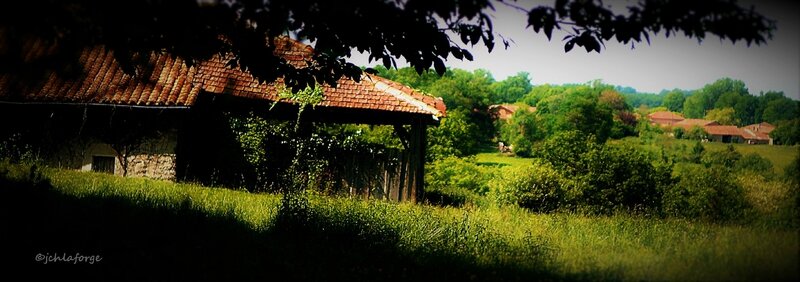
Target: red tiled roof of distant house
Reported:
point(759, 131)
point(506, 111)
point(664, 118)
point(689, 123)
point(723, 130)
point(764, 127)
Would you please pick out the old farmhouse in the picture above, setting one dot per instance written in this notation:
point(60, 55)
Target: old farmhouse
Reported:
point(168, 122)
point(750, 134)
point(506, 111)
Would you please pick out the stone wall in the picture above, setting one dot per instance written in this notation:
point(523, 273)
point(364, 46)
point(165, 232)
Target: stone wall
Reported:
point(154, 158)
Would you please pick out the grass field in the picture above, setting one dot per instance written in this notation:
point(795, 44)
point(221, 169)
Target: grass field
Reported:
point(497, 159)
point(147, 230)
point(780, 156)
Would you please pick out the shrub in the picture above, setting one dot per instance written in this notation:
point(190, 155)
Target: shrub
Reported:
point(705, 192)
point(678, 132)
point(725, 157)
point(15, 148)
point(787, 132)
point(538, 187)
point(772, 201)
point(696, 155)
point(611, 178)
point(454, 181)
point(696, 133)
point(564, 149)
point(753, 162)
point(622, 178)
point(457, 135)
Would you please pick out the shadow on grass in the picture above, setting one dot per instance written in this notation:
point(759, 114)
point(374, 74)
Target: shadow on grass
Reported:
point(493, 164)
point(180, 243)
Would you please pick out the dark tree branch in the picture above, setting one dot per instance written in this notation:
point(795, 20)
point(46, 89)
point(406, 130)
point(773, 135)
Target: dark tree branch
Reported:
point(195, 30)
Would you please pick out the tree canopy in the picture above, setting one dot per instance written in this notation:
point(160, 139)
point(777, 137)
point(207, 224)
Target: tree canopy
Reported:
point(424, 33)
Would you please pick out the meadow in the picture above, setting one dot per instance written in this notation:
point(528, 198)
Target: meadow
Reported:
point(779, 156)
point(146, 229)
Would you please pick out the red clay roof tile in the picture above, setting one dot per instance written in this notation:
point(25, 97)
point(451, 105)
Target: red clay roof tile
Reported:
point(171, 82)
point(723, 130)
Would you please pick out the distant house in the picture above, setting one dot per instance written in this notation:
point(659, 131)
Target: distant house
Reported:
point(664, 118)
point(724, 133)
point(751, 134)
point(758, 133)
point(506, 111)
point(690, 123)
point(169, 122)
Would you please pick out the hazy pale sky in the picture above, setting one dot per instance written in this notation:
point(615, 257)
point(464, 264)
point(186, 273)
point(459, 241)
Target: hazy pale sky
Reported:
point(674, 62)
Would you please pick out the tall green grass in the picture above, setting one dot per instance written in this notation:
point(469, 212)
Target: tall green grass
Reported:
point(148, 230)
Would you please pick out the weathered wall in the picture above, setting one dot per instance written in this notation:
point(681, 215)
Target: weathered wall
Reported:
point(155, 157)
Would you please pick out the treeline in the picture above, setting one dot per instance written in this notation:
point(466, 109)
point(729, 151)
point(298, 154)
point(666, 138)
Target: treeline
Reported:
point(729, 102)
point(605, 111)
point(593, 108)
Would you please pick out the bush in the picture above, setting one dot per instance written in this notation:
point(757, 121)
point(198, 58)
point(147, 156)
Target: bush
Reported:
point(538, 187)
point(696, 133)
point(696, 155)
point(610, 178)
point(678, 132)
point(564, 150)
point(753, 162)
point(787, 132)
point(725, 157)
point(622, 178)
point(703, 192)
point(773, 202)
point(456, 136)
point(455, 181)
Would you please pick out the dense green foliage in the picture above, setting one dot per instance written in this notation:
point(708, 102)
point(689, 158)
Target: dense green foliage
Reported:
point(455, 136)
point(787, 132)
point(608, 178)
point(521, 131)
point(538, 187)
point(456, 181)
point(674, 100)
point(283, 154)
point(707, 193)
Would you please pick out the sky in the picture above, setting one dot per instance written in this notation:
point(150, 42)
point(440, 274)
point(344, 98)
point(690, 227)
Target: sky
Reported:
point(667, 63)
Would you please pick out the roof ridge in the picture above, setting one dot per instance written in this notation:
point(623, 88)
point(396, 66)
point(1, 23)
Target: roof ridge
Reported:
point(403, 96)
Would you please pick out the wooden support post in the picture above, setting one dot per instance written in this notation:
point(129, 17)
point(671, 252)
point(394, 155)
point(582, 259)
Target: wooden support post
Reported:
point(416, 172)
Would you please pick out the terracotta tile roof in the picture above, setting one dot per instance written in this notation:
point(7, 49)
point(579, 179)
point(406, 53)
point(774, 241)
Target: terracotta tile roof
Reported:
point(168, 84)
point(763, 127)
point(506, 111)
point(171, 83)
point(665, 115)
point(723, 130)
point(752, 135)
point(689, 123)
